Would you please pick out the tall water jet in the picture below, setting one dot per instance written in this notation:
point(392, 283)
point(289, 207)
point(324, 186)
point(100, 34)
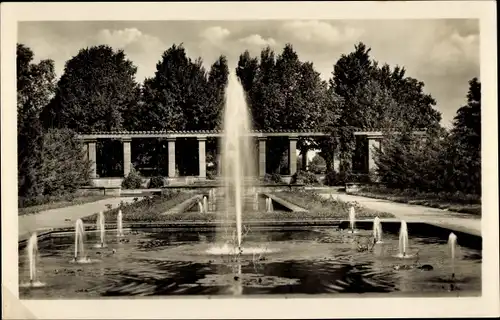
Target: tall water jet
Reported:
point(352, 218)
point(403, 240)
point(119, 224)
point(452, 243)
point(377, 230)
point(101, 226)
point(237, 149)
point(79, 237)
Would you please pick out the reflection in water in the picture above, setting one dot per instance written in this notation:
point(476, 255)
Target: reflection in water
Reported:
point(298, 262)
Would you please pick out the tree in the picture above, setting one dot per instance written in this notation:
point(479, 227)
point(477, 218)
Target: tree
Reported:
point(317, 164)
point(95, 92)
point(35, 88)
point(464, 145)
point(247, 70)
point(64, 168)
point(375, 97)
point(217, 81)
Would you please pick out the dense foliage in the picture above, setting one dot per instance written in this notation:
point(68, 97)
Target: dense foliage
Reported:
point(133, 180)
point(50, 162)
point(439, 161)
point(98, 91)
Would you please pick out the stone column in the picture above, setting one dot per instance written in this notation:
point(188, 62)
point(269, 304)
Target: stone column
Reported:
point(219, 163)
point(127, 162)
point(202, 156)
point(305, 164)
point(262, 156)
point(373, 143)
point(171, 157)
point(92, 157)
point(292, 155)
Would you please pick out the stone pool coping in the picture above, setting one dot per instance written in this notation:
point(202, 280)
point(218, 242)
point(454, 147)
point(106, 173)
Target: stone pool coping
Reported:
point(392, 224)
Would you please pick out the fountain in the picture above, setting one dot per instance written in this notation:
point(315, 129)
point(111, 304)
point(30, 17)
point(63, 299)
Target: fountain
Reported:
point(200, 206)
point(377, 230)
point(269, 205)
point(352, 219)
point(100, 225)
point(403, 241)
point(256, 201)
point(452, 242)
point(237, 150)
point(32, 250)
point(205, 204)
point(79, 245)
point(212, 200)
point(119, 225)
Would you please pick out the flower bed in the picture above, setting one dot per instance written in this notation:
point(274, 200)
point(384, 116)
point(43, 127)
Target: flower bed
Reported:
point(148, 209)
point(322, 207)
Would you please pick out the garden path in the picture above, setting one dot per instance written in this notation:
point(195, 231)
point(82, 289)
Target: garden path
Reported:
point(65, 217)
point(416, 213)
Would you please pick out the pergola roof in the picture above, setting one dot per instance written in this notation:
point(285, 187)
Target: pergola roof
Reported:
point(218, 133)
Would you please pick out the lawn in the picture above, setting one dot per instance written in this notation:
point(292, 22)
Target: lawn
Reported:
point(58, 202)
point(457, 202)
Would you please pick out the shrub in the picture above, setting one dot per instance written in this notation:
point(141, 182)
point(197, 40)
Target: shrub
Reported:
point(156, 182)
point(332, 178)
point(304, 177)
point(211, 175)
point(133, 180)
point(273, 178)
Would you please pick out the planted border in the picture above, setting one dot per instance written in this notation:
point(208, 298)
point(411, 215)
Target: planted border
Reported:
point(149, 209)
point(461, 203)
point(328, 208)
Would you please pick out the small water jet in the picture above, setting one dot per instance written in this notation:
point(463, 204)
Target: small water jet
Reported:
point(200, 206)
point(403, 241)
point(101, 226)
point(212, 200)
point(256, 201)
point(119, 224)
point(205, 204)
point(452, 242)
point(32, 251)
point(377, 230)
point(79, 243)
point(269, 205)
point(352, 220)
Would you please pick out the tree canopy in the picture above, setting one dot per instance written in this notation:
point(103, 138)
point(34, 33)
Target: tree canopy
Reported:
point(49, 162)
point(96, 91)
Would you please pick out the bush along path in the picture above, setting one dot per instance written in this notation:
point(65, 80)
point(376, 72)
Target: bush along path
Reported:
point(456, 202)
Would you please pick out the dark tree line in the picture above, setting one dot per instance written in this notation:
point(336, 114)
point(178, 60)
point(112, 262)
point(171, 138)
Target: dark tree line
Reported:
point(442, 161)
point(98, 92)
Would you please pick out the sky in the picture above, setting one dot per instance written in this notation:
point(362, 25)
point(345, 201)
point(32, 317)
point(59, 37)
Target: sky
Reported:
point(443, 53)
